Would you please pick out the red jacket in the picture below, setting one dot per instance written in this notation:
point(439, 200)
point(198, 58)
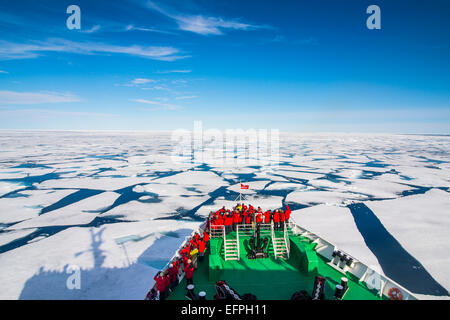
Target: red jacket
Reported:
point(201, 246)
point(189, 271)
point(161, 282)
point(276, 217)
point(205, 236)
point(288, 212)
point(228, 221)
point(184, 251)
point(266, 217)
point(248, 218)
point(259, 218)
point(173, 271)
point(282, 216)
point(236, 217)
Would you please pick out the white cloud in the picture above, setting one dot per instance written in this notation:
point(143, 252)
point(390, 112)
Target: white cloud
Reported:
point(9, 50)
point(50, 113)
point(185, 97)
point(146, 29)
point(209, 25)
point(201, 24)
point(16, 98)
point(163, 88)
point(92, 30)
point(167, 106)
point(175, 71)
point(141, 81)
point(4, 72)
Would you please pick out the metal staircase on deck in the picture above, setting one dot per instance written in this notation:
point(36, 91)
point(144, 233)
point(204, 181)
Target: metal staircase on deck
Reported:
point(279, 248)
point(231, 247)
point(280, 244)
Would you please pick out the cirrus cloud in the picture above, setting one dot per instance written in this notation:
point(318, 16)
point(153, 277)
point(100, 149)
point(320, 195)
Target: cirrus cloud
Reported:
point(201, 24)
point(160, 105)
point(11, 50)
point(20, 98)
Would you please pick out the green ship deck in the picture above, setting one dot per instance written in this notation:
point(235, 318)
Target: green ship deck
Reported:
point(270, 278)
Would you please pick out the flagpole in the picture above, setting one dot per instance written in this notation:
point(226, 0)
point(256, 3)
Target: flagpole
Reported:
point(240, 192)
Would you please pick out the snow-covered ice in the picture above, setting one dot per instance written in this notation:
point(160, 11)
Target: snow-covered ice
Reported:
point(117, 205)
point(81, 212)
point(420, 223)
point(336, 225)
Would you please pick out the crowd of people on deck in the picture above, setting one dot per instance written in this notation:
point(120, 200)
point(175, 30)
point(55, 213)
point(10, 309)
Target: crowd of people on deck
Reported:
point(242, 214)
point(194, 248)
point(186, 261)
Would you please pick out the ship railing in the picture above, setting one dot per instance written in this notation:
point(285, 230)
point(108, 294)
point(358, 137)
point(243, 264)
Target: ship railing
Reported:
point(294, 228)
point(287, 241)
point(217, 231)
point(224, 239)
point(237, 243)
point(245, 229)
point(265, 229)
point(273, 240)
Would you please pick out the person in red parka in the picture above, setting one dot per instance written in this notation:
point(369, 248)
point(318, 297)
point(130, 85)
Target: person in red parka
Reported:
point(173, 274)
point(282, 218)
point(248, 218)
point(228, 222)
point(219, 221)
point(206, 239)
point(243, 217)
point(201, 249)
point(276, 220)
point(267, 216)
point(236, 218)
point(189, 272)
point(162, 285)
point(259, 218)
point(288, 213)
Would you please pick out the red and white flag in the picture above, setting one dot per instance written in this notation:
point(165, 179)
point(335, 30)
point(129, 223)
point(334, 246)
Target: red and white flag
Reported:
point(244, 186)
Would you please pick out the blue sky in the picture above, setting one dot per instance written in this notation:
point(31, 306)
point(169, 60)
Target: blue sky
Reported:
point(308, 66)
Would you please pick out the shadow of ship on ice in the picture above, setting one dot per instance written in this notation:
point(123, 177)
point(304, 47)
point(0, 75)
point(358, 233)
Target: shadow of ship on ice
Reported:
point(98, 282)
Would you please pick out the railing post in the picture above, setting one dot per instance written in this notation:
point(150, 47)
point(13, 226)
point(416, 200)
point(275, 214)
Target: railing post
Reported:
point(237, 241)
point(286, 240)
point(273, 240)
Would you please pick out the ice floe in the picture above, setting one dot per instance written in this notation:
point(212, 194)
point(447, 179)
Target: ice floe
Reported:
point(313, 197)
point(7, 187)
point(9, 236)
point(28, 204)
point(421, 224)
point(336, 225)
point(81, 212)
